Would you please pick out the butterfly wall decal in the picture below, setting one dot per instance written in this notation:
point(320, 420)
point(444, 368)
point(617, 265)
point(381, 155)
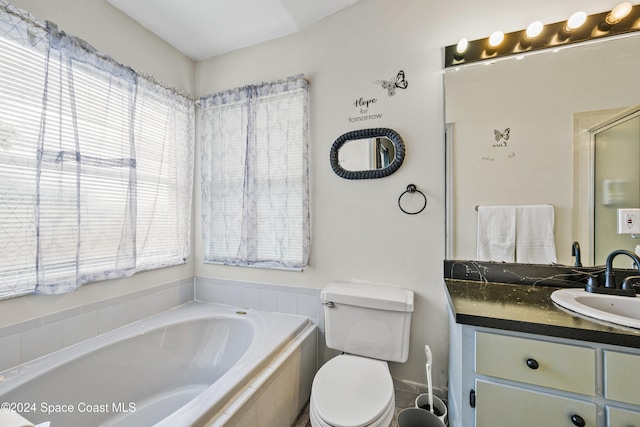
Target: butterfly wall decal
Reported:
point(399, 82)
point(499, 135)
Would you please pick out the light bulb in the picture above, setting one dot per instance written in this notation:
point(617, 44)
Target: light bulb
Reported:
point(534, 29)
point(462, 46)
point(496, 38)
point(576, 20)
point(618, 13)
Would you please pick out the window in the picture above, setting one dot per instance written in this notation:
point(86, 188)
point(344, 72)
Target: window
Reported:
point(255, 192)
point(96, 163)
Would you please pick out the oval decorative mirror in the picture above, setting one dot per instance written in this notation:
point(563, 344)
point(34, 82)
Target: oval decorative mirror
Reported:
point(367, 153)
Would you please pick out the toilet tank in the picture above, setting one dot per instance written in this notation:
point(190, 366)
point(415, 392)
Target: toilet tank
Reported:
point(368, 320)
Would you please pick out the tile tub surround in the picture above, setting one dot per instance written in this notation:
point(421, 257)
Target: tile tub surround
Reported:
point(277, 396)
point(260, 296)
point(28, 340)
point(25, 341)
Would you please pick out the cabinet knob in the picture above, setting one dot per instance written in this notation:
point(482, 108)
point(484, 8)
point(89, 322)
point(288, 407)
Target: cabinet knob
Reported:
point(577, 420)
point(533, 363)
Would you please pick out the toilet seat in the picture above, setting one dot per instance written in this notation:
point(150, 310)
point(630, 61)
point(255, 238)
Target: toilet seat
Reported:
point(352, 391)
point(384, 421)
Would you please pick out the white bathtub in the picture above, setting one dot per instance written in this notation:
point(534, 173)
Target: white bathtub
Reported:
point(195, 365)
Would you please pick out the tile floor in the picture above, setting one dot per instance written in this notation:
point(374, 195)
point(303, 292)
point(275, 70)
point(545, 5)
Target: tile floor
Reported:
point(404, 399)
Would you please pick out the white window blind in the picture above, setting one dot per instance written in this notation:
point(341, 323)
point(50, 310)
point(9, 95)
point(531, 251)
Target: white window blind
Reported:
point(164, 135)
point(96, 163)
point(255, 196)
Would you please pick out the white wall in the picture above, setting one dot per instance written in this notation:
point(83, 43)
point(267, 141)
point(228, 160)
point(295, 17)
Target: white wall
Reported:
point(358, 230)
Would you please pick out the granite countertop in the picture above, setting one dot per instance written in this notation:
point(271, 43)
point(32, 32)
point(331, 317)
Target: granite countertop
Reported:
point(528, 308)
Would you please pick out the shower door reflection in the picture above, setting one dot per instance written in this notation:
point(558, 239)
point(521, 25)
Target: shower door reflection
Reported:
point(616, 149)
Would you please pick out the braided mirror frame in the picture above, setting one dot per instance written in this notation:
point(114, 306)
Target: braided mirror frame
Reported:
point(393, 136)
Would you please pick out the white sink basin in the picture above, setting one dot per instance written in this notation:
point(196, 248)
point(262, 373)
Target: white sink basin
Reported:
point(611, 308)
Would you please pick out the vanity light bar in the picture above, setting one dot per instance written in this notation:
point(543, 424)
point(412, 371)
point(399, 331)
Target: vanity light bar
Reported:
point(548, 36)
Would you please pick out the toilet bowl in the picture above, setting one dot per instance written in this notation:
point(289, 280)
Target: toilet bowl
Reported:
point(352, 391)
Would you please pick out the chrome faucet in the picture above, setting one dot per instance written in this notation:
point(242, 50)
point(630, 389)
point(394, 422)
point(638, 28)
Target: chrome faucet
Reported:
point(575, 251)
point(610, 287)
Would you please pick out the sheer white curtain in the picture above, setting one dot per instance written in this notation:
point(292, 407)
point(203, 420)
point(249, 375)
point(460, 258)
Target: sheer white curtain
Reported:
point(86, 172)
point(23, 45)
point(255, 189)
point(97, 165)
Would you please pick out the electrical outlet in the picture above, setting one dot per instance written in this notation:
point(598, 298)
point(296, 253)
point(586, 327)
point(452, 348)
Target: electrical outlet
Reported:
point(628, 221)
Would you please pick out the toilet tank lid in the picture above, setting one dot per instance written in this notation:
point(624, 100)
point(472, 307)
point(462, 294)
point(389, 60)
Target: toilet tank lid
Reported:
point(368, 295)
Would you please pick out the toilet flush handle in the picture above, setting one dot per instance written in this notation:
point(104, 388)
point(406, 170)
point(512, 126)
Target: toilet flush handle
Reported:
point(329, 304)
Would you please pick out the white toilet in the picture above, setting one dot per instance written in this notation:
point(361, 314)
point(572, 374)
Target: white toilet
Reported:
point(370, 324)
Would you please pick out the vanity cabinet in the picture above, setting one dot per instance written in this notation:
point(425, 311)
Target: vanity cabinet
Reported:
point(504, 378)
point(547, 364)
point(499, 404)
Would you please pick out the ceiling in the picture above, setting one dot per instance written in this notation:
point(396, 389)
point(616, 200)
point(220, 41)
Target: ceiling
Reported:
point(204, 28)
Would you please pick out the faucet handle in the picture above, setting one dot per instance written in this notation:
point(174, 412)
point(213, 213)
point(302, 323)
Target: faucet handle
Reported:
point(592, 284)
point(631, 283)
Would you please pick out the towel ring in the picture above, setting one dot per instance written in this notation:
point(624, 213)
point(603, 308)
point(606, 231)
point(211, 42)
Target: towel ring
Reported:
point(412, 189)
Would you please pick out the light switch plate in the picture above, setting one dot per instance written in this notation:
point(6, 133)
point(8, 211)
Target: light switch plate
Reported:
point(628, 221)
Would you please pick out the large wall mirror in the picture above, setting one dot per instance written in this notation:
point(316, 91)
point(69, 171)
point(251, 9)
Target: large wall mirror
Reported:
point(367, 153)
point(520, 131)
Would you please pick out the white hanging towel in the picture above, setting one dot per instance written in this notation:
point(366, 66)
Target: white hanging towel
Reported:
point(496, 233)
point(535, 243)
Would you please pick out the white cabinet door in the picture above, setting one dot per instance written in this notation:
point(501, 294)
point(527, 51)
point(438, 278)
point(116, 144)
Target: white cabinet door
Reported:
point(622, 377)
point(560, 366)
point(499, 405)
point(618, 417)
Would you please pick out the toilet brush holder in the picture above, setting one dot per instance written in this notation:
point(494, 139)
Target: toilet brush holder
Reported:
point(416, 417)
point(439, 408)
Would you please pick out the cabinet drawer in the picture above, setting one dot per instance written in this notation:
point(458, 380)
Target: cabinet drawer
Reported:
point(498, 405)
point(622, 417)
point(622, 377)
point(559, 366)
